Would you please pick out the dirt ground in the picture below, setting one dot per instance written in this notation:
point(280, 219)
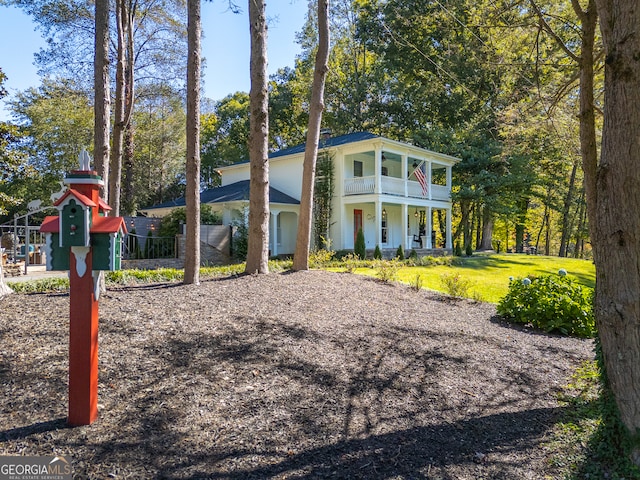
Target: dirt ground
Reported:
point(294, 375)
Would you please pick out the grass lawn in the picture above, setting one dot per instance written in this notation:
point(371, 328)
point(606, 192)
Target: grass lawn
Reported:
point(489, 274)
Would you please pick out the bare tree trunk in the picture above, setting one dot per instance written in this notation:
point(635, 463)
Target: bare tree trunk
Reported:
point(192, 196)
point(566, 231)
point(258, 241)
point(301, 255)
point(102, 101)
point(125, 12)
point(487, 230)
point(613, 207)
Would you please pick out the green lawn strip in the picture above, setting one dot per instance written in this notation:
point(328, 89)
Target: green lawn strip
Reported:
point(489, 274)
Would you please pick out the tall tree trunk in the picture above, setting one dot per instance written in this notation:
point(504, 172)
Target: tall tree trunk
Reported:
point(258, 241)
point(192, 196)
point(127, 202)
point(301, 255)
point(613, 207)
point(466, 224)
point(102, 100)
point(580, 230)
point(487, 230)
point(568, 200)
point(125, 13)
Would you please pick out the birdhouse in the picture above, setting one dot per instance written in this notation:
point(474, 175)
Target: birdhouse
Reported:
point(82, 227)
point(75, 219)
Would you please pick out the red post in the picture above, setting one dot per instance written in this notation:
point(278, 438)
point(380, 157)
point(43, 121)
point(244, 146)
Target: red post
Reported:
point(83, 343)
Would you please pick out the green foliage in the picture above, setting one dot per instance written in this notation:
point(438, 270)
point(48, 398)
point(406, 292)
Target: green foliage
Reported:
point(400, 252)
point(432, 261)
point(45, 285)
point(457, 251)
point(323, 199)
point(456, 285)
point(320, 258)
point(413, 256)
point(350, 262)
point(387, 270)
point(240, 240)
point(550, 302)
point(224, 137)
point(377, 253)
point(590, 441)
point(360, 249)
point(416, 283)
point(170, 224)
point(468, 250)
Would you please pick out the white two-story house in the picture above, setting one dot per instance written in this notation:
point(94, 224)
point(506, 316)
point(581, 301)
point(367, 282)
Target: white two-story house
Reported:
point(397, 193)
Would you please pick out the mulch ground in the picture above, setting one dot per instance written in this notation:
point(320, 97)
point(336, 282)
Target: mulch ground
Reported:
point(294, 375)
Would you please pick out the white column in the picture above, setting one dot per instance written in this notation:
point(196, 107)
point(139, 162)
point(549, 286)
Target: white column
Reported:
point(429, 227)
point(378, 222)
point(449, 239)
point(274, 232)
point(449, 182)
point(378, 170)
point(405, 170)
point(429, 165)
point(405, 226)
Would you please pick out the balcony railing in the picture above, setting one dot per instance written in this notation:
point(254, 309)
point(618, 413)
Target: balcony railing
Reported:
point(393, 186)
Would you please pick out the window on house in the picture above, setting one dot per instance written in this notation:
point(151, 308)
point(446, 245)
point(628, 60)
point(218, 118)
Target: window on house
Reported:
point(385, 171)
point(383, 233)
point(357, 168)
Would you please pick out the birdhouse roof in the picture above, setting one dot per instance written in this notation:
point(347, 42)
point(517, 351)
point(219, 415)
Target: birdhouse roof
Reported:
point(86, 201)
point(108, 225)
point(103, 205)
point(50, 224)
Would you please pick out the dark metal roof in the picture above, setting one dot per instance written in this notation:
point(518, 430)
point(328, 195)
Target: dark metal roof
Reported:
point(233, 192)
point(327, 143)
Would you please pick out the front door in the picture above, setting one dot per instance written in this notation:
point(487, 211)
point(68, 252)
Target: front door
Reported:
point(357, 224)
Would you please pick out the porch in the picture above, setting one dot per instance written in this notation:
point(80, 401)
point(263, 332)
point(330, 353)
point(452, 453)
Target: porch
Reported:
point(395, 186)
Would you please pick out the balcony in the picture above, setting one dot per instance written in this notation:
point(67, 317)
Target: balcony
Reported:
point(393, 186)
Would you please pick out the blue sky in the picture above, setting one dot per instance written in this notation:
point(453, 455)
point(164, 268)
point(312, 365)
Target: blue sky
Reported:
point(225, 46)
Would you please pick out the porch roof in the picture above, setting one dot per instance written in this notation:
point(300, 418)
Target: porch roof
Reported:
point(234, 192)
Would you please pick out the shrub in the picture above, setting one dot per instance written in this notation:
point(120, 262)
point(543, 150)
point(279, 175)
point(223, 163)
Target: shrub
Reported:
point(387, 270)
point(360, 249)
point(468, 250)
point(431, 261)
point(457, 251)
point(319, 258)
point(456, 285)
point(400, 252)
point(416, 283)
point(350, 262)
point(377, 253)
point(170, 224)
point(552, 303)
point(413, 256)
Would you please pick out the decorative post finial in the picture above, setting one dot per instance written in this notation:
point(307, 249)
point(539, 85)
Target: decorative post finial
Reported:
point(85, 161)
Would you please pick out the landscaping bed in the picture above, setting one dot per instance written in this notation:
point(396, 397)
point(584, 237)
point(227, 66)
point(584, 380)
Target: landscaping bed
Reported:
point(289, 375)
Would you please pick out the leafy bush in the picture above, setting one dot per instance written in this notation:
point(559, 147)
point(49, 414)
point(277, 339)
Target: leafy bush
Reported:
point(456, 285)
point(400, 252)
point(360, 249)
point(457, 251)
point(416, 283)
point(45, 285)
point(552, 303)
point(170, 224)
point(387, 270)
point(468, 250)
point(377, 254)
point(431, 261)
point(320, 258)
point(350, 262)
